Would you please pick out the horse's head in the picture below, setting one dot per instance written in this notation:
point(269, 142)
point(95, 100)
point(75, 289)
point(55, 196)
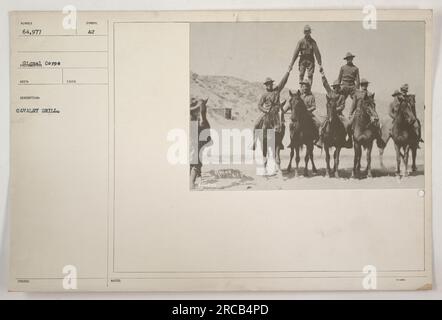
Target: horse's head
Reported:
point(331, 107)
point(405, 112)
point(369, 108)
point(297, 105)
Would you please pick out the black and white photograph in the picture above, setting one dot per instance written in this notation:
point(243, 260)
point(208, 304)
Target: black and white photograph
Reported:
point(307, 105)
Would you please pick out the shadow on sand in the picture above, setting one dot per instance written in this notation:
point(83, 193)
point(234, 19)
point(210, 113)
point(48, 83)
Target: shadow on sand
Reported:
point(345, 173)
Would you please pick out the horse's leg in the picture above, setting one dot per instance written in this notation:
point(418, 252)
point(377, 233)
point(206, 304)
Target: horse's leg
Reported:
point(193, 175)
point(381, 154)
point(336, 169)
point(369, 148)
point(292, 153)
point(327, 159)
point(314, 170)
point(406, 155)
point(413, 158)
point(297, 160)
point(278, 160)
point(355, 159)
point(264, 151)
point(307, 158)
point(398, 160)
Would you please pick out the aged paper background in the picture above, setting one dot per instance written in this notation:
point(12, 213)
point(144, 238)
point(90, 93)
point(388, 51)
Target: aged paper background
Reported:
point(104, 167)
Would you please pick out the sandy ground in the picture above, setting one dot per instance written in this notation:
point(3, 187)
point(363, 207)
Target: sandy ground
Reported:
point(245, 177)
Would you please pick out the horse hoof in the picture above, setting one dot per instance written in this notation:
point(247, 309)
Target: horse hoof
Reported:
point(414, 169)
point(314, 171)
point(305, 173)
point(289, 169)
point(369, 175)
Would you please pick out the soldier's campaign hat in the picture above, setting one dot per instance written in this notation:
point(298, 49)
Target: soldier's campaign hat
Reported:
point(268, 80)
point(404, 87)
point(307, 28)
point(349, 55)
point(396, 93)
point(336, 83)
point(363, 80)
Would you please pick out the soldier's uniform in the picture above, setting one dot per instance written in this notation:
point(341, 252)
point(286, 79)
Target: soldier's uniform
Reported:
point(349, 78)
point(307, 50)
point(310, 103)
point(269, 104)
point(198, 114)
point(359, 95)
point(339, 98)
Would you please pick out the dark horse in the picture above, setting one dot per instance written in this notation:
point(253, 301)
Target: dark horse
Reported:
point(334, 135)
point(405, 136)
point(364, 132)
point(302, 132)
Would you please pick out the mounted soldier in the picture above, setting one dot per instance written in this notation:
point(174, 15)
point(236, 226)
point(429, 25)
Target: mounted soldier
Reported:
point(335, 95)
point(358, 98)
point(307, 50)
point(309, 100)
point(269, 105)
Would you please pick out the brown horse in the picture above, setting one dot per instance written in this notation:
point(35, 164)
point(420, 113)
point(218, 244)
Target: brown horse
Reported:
point(364, 132)
point(302, 132)
point(405, 136)
point(333, 135)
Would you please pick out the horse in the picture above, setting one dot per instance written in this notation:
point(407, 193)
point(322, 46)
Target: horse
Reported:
point(333, 135)
point(405, 136)
point(364, 133)
point(386, 132)
point(302, 132)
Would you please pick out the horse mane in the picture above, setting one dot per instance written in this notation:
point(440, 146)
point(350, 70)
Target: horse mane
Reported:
point(299, 106)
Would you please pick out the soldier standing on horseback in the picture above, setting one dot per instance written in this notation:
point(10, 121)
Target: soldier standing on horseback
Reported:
point(269, 105)
point(307, 50)
point(335, 94)
point(349, 77)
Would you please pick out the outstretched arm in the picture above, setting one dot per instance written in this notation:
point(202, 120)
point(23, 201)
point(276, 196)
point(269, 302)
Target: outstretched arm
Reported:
point(325, 83)
point(283, 81)
point(295, 55)
point(318, 56)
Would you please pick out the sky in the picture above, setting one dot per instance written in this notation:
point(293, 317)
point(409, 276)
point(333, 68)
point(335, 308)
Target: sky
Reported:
point(389, 56)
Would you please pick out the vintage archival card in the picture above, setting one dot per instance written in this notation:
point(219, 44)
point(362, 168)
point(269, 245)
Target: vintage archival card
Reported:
point(221, 150)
